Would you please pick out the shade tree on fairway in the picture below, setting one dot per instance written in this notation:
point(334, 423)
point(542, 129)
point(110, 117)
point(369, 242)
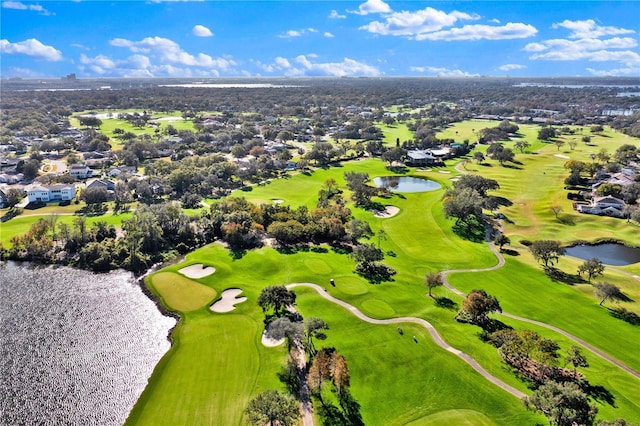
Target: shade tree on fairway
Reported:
point(592, 268)
point(272, 408)
point(576, 358)
point(476, 308)
point(547, 251)
point(276, 297)
point(314, 328)
point(501, 240)
point(605, 291)
point(564, 404)
point(433, 280)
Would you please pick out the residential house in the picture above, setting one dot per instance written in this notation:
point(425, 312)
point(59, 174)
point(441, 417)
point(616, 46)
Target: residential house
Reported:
point(3, 199)
point(47, 193)
point(80, 171)
point(107, 184)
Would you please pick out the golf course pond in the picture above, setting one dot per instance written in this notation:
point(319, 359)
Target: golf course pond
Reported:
point(405, 184)
point(76, 348)
point(609, 253)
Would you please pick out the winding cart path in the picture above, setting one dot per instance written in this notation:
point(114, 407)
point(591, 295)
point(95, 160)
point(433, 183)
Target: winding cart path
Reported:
point(576, 339)
point(430, 328)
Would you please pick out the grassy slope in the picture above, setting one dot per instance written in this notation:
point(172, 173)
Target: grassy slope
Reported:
point(421, 240)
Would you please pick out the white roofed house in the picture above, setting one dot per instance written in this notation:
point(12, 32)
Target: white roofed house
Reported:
point(80, 171)
point(47, 193)
point(607, 205)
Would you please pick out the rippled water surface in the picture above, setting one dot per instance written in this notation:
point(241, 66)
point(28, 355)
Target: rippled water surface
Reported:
point(76, 348)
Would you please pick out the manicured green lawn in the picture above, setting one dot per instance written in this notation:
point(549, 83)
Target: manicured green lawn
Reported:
point(180, 293)
point(417, 240)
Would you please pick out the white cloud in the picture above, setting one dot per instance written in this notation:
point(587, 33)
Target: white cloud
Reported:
point(588, 41)
point(510, 67)
point(100, 61)
point(21, 6)
point(372, 6)
point(282, 62)
point(348, 67)
point(335, 15)
point(445, 72)
point(298, 33)
point(169, 52)
point(589, 29)
point(327, 34)
point(508, 31)
point(24, 73)
point(31, 47)
point(291, 34)
point(586, 49)
point(201, 31)
point(416, 23)
point(613, 72)
point(80, 46)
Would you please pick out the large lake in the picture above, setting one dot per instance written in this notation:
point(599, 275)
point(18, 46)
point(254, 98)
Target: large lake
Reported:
point(76, 348)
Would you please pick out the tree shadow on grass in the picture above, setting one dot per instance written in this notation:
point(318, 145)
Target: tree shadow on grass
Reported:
point(472, 230)
point(347, 415)
point(502, 201)
point(401, 170)
point(445, 303)
point(599, 393)
point(237, 254)
point(567, 220)
point(560, 276)
point(510, 252)
point(625, 315)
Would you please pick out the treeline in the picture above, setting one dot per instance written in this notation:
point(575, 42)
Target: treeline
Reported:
point(157, 232)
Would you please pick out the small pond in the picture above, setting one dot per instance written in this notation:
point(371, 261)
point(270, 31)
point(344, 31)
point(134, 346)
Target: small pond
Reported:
point(405, 184)
point(611, 254)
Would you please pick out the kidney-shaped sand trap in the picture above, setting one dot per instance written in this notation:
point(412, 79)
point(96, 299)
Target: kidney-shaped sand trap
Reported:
point(197, 270)
point(228, 301)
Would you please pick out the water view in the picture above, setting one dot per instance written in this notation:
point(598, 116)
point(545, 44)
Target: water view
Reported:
point(75, 347)
point(611, 254)
point(406, 184)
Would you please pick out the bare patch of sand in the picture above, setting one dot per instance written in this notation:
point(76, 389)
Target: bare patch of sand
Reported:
point(228, 301)
point(197, 270)
point(269, 342)
point(566, 157)
point(388, 211)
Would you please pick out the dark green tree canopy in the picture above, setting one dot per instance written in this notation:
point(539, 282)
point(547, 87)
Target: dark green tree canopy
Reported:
point(276, 297)
point(564, 404)
point(547, 251)
point(272, 408)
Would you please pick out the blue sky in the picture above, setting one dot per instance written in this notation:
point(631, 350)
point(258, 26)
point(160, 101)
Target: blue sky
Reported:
point(319, 38)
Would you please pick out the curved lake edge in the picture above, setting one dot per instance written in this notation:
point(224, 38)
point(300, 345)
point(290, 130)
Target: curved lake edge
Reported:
point(429, 184)
point(613, 252)
point(600, 241)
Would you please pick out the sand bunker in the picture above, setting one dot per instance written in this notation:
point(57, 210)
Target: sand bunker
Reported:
point(277, 201)
point(228, 301)
point(444, 171)
point(566, 157)
point(388, 211)
point(269, 342)
point(197, 270)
